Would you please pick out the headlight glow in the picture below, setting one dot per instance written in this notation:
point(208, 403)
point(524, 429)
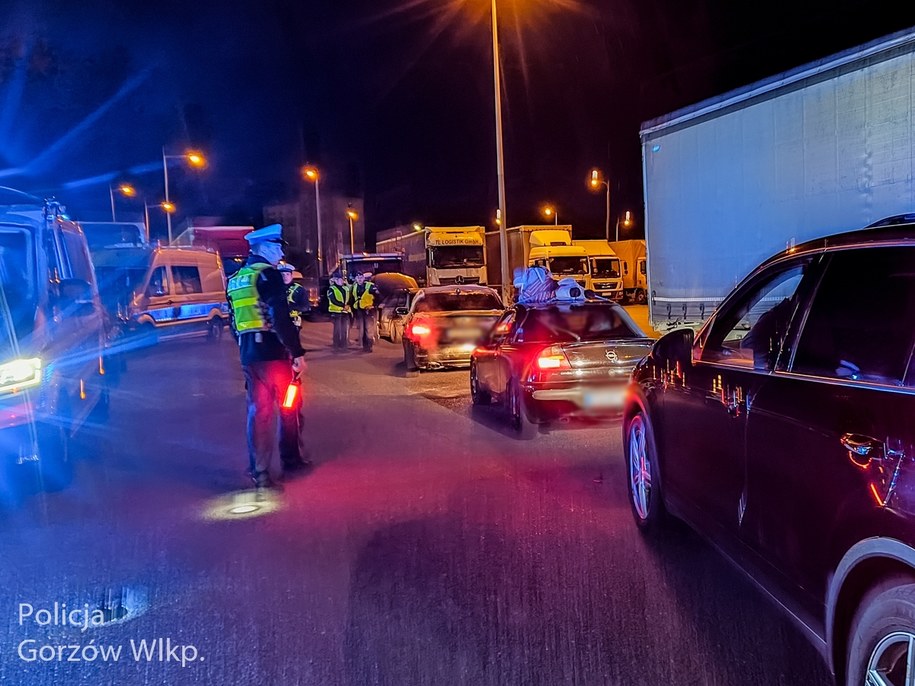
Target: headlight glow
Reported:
point(19, 374)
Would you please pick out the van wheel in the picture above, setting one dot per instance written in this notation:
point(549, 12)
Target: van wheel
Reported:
point(214, 329)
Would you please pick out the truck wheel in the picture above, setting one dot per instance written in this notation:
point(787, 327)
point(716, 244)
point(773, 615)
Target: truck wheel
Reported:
point(640, 297)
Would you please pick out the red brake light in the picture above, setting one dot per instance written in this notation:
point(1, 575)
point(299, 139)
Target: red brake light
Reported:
point(420, 330)
point(553, 358)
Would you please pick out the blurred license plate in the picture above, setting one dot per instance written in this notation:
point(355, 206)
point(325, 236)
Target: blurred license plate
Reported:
point(464, 334)
point(611, 397)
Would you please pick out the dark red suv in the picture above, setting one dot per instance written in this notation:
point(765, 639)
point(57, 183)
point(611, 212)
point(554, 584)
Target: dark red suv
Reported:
point(784, 432)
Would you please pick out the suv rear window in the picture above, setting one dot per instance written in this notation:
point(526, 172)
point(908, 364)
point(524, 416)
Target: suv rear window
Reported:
point(861, 324)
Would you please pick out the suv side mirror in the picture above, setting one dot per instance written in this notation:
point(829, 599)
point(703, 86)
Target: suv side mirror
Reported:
point(676, 346)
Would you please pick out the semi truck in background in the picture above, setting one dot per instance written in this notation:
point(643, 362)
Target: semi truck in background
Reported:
point(546, 245)
point(634, 269)
point(606, 273)
point(439, 255)
point(820, 149)
point(228, 241)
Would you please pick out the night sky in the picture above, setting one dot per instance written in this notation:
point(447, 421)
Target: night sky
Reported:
point(392, 99)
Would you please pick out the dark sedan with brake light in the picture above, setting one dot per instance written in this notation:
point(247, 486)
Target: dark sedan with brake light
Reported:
point(560, 359)
point(445, 323)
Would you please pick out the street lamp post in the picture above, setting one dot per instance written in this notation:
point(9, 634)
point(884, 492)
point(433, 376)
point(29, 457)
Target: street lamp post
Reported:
point(167, 207)
point(193, 158)
point(500, 162)
point(352, 216)
point(550, 212)
point(596, 182)
point(124, 189)
point(311, 173)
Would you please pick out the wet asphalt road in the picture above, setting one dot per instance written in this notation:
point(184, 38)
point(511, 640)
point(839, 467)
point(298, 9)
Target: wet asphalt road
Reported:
point(428, 546)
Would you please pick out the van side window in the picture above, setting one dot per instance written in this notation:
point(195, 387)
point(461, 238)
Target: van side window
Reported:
point(158, 283)
point(861, 333)
point(77, 257)
point(187, 280)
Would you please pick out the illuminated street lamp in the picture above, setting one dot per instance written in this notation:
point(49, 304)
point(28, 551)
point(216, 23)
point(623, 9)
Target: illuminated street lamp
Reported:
point(627, 222)
point(310, 173)
point(550, 213)
point(352, 216)
point(500, 162)
point(194, 159)
point(124, 189)
point(167, 207)
point(417, 226)
point(595, 183)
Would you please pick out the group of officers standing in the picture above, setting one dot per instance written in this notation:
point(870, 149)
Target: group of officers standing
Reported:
point(266, 308)
point(352, 305)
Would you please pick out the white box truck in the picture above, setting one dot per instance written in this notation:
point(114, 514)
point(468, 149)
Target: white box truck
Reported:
point(606, 271)
point(438, 255)
point(823, 148)
point(546, 245)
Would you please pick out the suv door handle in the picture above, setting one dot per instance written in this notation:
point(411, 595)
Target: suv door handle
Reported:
point(862, 448)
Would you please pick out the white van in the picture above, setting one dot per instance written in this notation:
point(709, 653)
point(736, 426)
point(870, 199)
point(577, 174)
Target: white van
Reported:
point(181, 293)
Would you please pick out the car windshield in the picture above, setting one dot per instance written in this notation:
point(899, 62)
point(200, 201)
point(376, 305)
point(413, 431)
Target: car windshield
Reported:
point(18, 297)
point(570, 265)
point(605, 267)
point(453, 256)
point(457, 300)
point(569, 323)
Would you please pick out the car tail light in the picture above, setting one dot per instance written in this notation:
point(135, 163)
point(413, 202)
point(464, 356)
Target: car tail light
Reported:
point(553, 358)
point(418, 330)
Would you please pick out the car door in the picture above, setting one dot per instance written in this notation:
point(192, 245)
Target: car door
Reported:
point(826, 436)
point(705, 410)
point(488, 353)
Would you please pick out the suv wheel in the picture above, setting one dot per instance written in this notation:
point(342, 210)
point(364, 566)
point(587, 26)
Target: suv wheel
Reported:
point(882, 636)
point(643, 473)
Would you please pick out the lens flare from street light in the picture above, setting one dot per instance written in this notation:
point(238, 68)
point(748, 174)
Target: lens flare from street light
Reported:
point(310, 173)
point(548, 211)
point(417, 226)
point(352, 214)
point(167, 206)
point(127, 190)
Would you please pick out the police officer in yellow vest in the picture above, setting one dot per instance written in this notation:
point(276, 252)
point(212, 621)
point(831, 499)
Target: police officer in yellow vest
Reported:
point(363, 298)
point(338, 305)
point(271, 354)
point(295, 294)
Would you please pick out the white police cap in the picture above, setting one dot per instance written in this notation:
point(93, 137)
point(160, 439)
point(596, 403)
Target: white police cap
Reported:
point(272, 233)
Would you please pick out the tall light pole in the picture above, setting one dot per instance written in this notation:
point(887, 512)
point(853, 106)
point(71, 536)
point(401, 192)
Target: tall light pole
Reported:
point(311, 174)
point(194, 159)
point(595, 183)
point(352, 216)
point(124, 189)
point(500, 162)
point(165, 206)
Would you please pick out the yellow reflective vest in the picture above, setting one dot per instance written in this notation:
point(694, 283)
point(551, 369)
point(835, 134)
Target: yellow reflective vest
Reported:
point(248, 311)
point(364, 300)
point(341, 295)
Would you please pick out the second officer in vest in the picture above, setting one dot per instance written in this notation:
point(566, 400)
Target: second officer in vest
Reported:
point(363, 298)
point(338, 305)
point(271, 354)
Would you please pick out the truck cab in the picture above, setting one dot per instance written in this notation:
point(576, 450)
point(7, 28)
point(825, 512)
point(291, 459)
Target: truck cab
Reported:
point(53, 340)
point(606, 270)
point(455, 255)
point(553, 249)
